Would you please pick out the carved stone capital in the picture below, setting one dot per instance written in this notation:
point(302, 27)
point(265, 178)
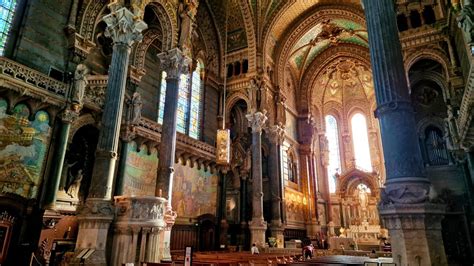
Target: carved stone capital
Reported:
point(276, 134)
point(408, 190)
point(257, 121)
point(174, 63)
point(128, 133)
point(124, 27)
point(69, 115)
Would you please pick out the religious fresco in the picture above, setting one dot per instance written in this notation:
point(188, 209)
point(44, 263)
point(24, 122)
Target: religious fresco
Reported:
point(194, 191)
point(141, 170)
point(23, 148)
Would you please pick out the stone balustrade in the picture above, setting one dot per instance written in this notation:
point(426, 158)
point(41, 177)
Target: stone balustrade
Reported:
point(464, 123)
point(27, 81)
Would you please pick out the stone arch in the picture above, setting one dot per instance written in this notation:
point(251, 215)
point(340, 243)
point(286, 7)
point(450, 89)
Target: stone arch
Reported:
point(139, 53)
point(305, 23)
point(427, 53)
point(424, 123)
point(308, 86)
point(349, 180)
point(431, 76)
point(250, 31)
point(89, 17)
point(81, 121)
point(232, 100)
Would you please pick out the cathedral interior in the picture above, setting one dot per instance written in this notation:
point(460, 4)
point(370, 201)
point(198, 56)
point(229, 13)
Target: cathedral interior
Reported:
point(132, 129)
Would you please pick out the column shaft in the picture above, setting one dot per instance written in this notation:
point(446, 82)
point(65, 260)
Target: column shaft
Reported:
point(120, 182)
point(174, 64)
point(257, 197)
point(59, 155)
point(106, 155)
point(403, 160)
point(257, 225)
point(413, 222)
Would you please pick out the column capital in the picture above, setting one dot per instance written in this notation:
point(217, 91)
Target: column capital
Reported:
point(174, 63)
point(128, 133)
point(257, 121)
point(69, 115)
point(124, 27)
point(276, 134)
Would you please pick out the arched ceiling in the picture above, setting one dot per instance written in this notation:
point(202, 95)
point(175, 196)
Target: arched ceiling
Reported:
point(322, 36)
point(344, 79)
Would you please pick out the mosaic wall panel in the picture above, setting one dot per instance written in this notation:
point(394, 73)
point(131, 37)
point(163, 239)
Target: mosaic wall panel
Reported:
point(140, 171)
point(23, 148)
point(194, 191)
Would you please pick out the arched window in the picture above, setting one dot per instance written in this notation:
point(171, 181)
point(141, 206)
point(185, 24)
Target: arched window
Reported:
point(435, 146)
point(196, 93)
point(360, 139)
point(334, 166)
point(188, 115)
point(161, 107)
point(7, 11)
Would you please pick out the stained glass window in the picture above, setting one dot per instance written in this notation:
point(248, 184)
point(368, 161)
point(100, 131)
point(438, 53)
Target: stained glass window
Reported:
point(361, 143)
point(7, 10)
point(334, 166)
point(183, 104)
point(161, 106)
point(189, 102)
point(195, 112)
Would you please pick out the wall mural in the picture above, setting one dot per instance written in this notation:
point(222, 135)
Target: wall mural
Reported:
point(194, 191)
point(141, 170)
point(23, 147)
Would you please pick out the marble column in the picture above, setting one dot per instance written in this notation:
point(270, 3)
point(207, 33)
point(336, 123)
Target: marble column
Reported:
point(174, 63)
point(96, 214)
point(67, 117)
point(224, 226)
point(127, 136)
point(276, 135)
point(257, 225)
point(414, 223)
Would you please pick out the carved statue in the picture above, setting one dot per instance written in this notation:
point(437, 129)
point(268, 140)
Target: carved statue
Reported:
point(452, 136)
point(363, 198)
point(80, 84)
point(74, 187)
point(466, 22)
point(136, 104)
point(187, 11)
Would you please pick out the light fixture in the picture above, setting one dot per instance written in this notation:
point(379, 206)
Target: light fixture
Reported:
point(223, 134)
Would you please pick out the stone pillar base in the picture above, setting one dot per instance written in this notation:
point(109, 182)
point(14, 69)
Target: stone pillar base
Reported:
point(277, 229)
point(257, 232)
point(223, 233)
point(312, 229)
point(415, 233)
point(94, 221)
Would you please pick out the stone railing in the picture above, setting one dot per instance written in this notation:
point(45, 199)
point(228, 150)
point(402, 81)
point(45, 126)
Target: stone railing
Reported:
point(186, 147)
point(464, 123)
point(30, 82)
